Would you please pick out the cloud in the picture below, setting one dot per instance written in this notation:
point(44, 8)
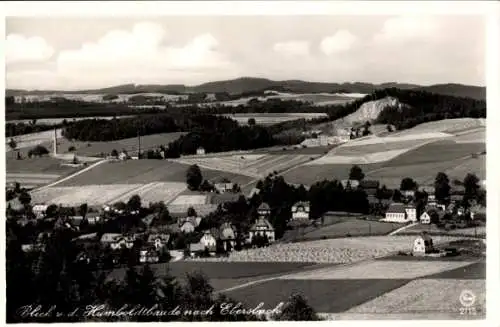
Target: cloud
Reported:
point(406, 27)
point(19, 48)
point(129, 56)
point(292, 48)
point(341, 41)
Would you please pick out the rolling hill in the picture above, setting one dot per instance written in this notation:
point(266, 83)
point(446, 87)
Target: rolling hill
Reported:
point(251, 84)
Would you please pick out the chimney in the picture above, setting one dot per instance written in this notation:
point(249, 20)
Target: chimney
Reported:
point(55, 142)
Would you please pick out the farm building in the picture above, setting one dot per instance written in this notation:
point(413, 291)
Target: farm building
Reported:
point(196, 248)
point(478, 212)
point(349, 183)
point(300, 210)
point(92, 217)
point(400, 213)
point(264, 210)
point(187, 227)
point(422, 245)
point(227, 236)
point(158, 241)
point(200, 151)
point(262, 227)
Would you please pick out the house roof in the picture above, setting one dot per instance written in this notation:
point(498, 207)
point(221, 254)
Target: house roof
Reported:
point(264, 206)
point(370, 184)
point(195, 247)
point(262, 222)
point(352, 182)
point(396, 208)
point(227, 231)
point(110, 237)
point(163, 237)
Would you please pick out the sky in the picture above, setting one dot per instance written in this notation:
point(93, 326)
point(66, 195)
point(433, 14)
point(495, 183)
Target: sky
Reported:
point(85, 53)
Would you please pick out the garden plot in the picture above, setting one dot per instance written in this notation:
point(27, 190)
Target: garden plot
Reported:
point(427, 296)
point(378, 269)
point(74, 196)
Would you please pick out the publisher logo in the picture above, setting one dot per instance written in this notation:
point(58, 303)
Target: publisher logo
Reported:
point(467, 298)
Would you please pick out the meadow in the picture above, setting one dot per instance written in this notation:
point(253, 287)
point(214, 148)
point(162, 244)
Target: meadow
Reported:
point(143, 172)
point(272, 118)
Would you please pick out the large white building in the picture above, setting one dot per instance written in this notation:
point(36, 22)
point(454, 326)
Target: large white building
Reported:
point(400, 213)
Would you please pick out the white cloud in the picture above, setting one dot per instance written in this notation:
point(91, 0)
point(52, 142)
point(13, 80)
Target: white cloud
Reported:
point(341, 41)
point(130, 56)
point(292, 48)
point(406, 27)
point(19, 48)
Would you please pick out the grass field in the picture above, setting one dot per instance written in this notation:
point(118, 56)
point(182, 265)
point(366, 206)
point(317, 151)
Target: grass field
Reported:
point(272, 118)
point(353, 227)
point(143, 172)
point(310, 174)
point(433, 229)
point(437, 151)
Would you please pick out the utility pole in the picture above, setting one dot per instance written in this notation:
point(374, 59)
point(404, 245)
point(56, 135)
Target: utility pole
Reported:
point(139, 141)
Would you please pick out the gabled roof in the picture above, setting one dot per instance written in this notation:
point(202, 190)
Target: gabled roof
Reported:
point(163, 237)
point(110, 237)
point(264, 206)
point(396, 208)
point(227, 231)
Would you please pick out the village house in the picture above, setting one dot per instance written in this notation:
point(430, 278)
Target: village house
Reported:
point(149, 255)
point(123, 155)
point(92, 217)
point(262, 227)
point(300, 210)
point(39, 210)
point(408, 194)
point(350, 183)
point(200, 151)
point(422, 245)
point(264, 210)
point(223, 185)
point(425, 218)
point(158, 240)
point(227, 236)
point(400, 213)
point(188, 224)
point(209, 239)
point(118, 241)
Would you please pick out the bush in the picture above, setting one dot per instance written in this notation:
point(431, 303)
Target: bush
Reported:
point(71, 149)
point(38, 151)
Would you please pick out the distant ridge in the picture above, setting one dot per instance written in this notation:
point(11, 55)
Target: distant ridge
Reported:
point(251, 84)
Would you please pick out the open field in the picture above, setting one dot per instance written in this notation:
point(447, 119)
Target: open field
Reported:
point(437, 151)
point(143, 172)
point(36, 172)
point(353, 227)
point(427, 295)
point(433, 229)
point(251, 165)
point(107, 194)
point(339, 250)
point(95, 149)
point(56, 121)
point(407, 154)
point(310, 174)
point(272, 118)
point(380, 269)
point(190, 200)
point(30, 140)
point(447, 125)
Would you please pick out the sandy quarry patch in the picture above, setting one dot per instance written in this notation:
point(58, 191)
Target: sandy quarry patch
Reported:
point(383, 269)
point(189, 200)
point(426, 295)
point(361, 159)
